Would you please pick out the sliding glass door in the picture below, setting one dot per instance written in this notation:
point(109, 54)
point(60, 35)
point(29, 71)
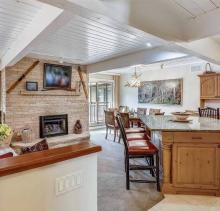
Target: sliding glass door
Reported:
point(101, 98)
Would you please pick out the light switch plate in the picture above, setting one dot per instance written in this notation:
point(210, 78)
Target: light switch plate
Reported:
point(68, 182)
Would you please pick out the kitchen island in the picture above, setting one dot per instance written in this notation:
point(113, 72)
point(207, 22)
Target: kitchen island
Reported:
point(190, 154)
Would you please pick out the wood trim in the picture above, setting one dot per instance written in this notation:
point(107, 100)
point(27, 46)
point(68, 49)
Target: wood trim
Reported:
point(210, 74)
point(50, 93)
point(23, 76)
point(197, 137)
point(170, 189)
point(38, 159)
point(3, 95)
point(83, 82)
point(209, 98)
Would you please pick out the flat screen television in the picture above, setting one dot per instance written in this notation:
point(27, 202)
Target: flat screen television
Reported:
point(57, 76)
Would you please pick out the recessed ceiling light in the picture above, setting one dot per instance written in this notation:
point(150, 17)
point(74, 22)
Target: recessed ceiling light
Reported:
point(148, 44)
point(61, 60)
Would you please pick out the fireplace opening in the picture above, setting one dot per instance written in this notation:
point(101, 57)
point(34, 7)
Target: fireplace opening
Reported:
point(54, 125)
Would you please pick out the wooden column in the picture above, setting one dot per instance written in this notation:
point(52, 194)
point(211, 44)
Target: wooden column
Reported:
point(116, 91)
point(84, 83)
point(22, 76)
point(167, 158)
point(3, 95)
point(167, 144)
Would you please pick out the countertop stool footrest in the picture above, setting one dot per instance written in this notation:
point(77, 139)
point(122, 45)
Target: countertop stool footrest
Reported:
point(142, 181)
point(140, 167)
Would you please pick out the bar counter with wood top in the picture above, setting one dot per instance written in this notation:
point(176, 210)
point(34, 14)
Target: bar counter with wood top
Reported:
point(190, 154)
point(57, 179)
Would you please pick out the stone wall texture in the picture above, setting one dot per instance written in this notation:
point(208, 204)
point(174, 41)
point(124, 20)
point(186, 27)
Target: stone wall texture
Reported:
point(23, 111)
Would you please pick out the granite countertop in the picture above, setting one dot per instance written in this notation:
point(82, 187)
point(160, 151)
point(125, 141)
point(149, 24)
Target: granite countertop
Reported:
point(164, 123)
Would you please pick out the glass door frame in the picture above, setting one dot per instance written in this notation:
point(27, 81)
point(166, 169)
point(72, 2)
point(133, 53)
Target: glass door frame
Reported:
point(96, 105)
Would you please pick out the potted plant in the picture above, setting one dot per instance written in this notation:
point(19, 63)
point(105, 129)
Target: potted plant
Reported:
point(5, 135)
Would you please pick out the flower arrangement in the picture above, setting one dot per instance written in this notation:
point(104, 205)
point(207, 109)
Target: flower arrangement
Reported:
point(5, 132)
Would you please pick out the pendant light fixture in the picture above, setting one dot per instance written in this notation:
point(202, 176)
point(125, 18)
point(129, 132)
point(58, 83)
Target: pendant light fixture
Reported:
point(135, 81)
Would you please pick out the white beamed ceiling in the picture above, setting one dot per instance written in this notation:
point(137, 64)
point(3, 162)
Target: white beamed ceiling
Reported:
point(84, 34)
point(88, 40)
point(195, 8)
point(15, 16)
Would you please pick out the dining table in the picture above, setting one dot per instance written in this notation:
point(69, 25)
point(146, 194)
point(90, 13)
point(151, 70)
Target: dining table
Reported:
point(190, 153)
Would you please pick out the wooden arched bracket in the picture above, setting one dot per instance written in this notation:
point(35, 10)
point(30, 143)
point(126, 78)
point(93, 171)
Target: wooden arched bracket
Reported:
point(23, 76)
point(83, 82)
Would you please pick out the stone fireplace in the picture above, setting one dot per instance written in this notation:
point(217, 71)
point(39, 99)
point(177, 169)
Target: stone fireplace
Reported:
point(23, 111)
point(53, 125)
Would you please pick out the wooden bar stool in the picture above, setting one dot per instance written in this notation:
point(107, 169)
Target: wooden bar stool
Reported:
point(139, 148)
point(132, 133)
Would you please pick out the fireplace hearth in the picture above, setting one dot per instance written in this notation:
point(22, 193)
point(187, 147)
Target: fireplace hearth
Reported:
point(53, 125)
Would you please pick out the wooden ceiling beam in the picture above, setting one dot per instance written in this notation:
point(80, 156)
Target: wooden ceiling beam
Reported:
point(22, 76)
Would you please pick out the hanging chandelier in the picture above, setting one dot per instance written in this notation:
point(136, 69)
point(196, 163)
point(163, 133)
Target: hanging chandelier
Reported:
point(135, 80)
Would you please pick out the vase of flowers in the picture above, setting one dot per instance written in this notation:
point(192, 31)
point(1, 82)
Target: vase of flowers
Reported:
point(5, 135)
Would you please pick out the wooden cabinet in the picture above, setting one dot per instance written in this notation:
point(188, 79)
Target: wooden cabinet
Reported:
point(191, 162)
point(196, 166)
point(218, 85)
point(209, 87)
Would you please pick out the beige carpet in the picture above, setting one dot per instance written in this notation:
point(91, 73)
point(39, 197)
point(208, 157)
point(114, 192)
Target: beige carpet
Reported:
point(112, 193)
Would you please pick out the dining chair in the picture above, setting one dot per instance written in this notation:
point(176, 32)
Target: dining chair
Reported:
point(113, 109)
point(110, 123)
point(209, 112)
point(139, 149)
point(123, 109)
point(153, 111)
point(141, 111)
point(125, 119)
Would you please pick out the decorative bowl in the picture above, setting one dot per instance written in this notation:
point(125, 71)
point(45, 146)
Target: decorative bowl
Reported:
point(182, 116)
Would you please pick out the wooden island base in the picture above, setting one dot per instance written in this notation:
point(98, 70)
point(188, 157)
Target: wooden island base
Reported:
point(191, 162)
point(190, 153)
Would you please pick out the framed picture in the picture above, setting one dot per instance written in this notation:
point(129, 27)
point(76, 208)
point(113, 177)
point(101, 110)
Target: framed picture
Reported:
point(31, 86)
point(57, 76)
point(161, 92)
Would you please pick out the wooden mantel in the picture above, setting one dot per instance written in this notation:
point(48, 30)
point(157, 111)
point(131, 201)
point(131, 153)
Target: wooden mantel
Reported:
point(50, 93)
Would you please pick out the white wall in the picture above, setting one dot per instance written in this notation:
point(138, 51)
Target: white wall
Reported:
point(191, 90)
point(95, 77)
point(34, 190)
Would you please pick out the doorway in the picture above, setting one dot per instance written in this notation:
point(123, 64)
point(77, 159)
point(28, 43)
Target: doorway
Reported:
point(101, 95)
